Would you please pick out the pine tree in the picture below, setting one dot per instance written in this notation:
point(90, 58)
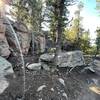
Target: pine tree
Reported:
point(58, 15)
point(98, 40)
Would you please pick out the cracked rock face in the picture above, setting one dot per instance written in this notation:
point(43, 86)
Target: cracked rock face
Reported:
point(8, 42)
point(24, 36)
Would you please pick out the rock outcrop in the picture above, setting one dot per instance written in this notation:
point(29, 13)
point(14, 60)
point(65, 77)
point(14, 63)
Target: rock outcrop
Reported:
point(8, 42)
point(10, 37)
point(4, 47)
point(65, 59)
point(5, 69)
point(23, 35)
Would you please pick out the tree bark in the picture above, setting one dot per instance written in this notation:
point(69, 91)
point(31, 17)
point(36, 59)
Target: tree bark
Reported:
point(59, 9)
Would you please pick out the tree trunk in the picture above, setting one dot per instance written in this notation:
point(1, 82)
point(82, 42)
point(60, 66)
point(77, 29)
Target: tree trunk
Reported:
point(59, 8)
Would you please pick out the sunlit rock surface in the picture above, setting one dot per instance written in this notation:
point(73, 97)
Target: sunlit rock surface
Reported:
point(34, 66)
point(3, 85)
point(5, 69)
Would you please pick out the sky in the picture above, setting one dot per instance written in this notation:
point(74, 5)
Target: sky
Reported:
point(91, 18)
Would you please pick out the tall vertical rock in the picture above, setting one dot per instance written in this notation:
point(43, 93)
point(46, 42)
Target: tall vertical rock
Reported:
point(23, 35)
point(4, 47)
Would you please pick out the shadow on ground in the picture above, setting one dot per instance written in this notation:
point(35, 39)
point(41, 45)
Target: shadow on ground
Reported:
point(43, 85)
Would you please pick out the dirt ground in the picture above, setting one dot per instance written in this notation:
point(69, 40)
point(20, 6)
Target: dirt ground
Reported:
point(43, 85)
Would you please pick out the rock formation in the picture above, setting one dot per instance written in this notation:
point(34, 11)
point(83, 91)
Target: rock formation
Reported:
point(65, 59)
point(5, 69)
point(7, 39)
point(4, 47)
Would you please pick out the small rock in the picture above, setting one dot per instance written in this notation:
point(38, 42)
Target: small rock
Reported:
point(40, 88)
point(61, 81)
point(34, 66)
point(65, 95)
point(52, 89)
point(90, 69)
point(40, 99)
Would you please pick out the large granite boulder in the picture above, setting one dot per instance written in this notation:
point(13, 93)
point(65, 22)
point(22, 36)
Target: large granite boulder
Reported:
point(10, 36)
point(5, 69)
point(23, 35)
point(4, 47)
point(65, 59)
